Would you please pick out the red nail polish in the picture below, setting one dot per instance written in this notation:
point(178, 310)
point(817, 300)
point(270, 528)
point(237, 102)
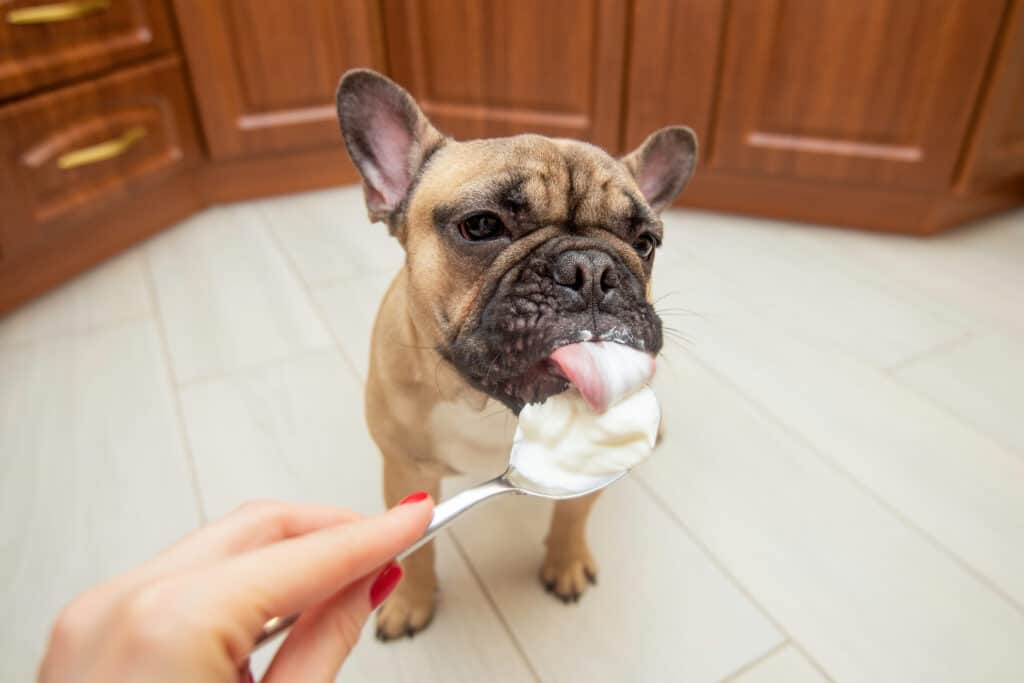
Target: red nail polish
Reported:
point(414, 497)
point(385, 583)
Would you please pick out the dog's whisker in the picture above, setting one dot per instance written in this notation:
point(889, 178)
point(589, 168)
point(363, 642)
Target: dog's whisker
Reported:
point(665, 296)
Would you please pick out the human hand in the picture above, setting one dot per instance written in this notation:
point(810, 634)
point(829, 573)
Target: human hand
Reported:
point(193, 613)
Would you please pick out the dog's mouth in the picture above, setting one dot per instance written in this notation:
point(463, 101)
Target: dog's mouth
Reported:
point(517, 379)
point(540, 381)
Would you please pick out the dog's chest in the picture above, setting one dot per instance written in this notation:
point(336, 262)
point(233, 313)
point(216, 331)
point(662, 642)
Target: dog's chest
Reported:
point(469, 441)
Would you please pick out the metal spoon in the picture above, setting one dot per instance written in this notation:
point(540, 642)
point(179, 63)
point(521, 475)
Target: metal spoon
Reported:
point(512, 481)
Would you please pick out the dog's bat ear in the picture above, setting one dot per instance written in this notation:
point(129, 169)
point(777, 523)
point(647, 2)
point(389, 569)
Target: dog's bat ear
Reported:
point(663, 164)
point(387, 136)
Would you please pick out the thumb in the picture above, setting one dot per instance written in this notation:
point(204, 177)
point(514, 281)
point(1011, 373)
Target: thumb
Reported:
point(323, 638)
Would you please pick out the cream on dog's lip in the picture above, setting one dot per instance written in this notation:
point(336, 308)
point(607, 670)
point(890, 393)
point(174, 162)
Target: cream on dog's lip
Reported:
point(602, 372)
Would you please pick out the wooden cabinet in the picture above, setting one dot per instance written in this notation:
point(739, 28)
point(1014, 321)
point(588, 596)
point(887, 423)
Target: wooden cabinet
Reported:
point(486, 69)
point(71, 155)
point(98, 143)
point(42, 43)
point(265, 72)
point(852, 113)
point(902, 115)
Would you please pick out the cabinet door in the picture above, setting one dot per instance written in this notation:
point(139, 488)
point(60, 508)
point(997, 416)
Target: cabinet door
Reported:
point(484, 69)
point(874, 92)
point(265, 72)
point(42, 43)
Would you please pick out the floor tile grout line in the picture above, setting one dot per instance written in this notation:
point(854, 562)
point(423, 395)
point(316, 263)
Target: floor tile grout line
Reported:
point(867, 490)
point(963, 421)
point(332, 280)
point(719, 564)
point(296, 273)
point(268, 363)
point(494, 606)
point(756, 661)
point(945, 345)
point(341, 280)
point(87, 331)
point(809, 338)
point(893, 375)
point(888, 372)
point(955, 310)
point(172, 386)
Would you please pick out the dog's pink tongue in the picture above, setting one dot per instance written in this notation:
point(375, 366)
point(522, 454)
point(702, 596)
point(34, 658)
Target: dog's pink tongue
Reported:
point(603, 372)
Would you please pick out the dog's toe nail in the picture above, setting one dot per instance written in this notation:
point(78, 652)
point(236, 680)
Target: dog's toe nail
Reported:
point(410, 631)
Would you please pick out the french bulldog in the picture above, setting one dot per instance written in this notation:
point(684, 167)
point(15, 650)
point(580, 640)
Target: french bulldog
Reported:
point(513, 247)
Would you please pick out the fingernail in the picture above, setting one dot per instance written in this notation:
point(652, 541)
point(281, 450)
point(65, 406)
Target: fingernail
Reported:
point(414, 497)
point(385, 583)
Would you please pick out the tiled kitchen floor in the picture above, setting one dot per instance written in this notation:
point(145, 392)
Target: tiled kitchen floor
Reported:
point(840, 495)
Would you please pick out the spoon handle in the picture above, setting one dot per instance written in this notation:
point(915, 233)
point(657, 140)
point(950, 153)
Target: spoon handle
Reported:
point(447, 510)
point(444, 513)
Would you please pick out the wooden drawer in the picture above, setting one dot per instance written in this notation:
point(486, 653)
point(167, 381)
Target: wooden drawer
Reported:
point(43, 42)
point(68, 155)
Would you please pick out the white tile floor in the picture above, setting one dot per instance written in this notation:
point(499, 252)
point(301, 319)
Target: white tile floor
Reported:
point(840, 495)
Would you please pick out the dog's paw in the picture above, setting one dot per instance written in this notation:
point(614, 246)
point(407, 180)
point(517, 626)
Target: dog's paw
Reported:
point(404, 614)
point(566, 575)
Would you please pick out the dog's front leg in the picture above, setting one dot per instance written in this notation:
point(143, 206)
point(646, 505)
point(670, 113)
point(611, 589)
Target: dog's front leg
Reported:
point(410, 608)
point(569, 566)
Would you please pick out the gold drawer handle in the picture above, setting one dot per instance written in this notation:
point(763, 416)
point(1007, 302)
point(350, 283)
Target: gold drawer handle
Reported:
point(58, 11)
point(102, 151)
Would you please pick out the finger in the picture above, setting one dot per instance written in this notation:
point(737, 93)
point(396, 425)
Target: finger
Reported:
point(246, 590)
point(251, 525)
point(325, 635)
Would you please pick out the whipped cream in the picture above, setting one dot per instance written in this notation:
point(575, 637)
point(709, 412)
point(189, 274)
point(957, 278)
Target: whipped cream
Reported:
point(566, 444)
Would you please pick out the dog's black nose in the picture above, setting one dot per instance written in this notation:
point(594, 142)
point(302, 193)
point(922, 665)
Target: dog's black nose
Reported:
point(589, 272)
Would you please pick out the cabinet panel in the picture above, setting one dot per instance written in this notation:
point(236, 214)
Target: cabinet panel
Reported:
point(485, 69)
point(873, 92)
point(67, 156)
point(997, 152)
point(74, 38)
point(673, 68)
point(265, 72)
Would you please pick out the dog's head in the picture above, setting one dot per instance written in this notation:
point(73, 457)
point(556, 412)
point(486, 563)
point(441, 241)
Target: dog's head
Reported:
point(514, 246)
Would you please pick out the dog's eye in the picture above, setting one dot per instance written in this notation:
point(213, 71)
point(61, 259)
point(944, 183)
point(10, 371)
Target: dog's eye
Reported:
point(481, 226)
point(644, 246)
